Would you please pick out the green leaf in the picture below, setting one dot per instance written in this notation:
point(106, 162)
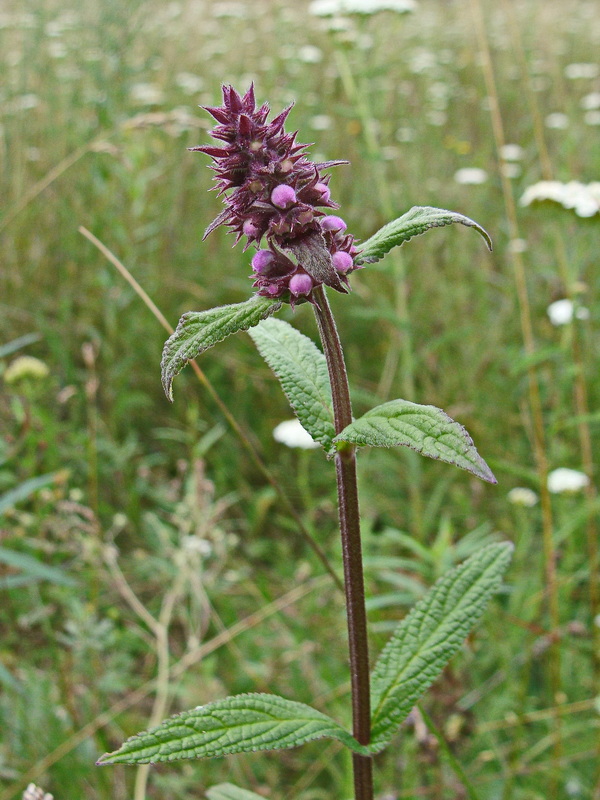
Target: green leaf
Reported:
point(426, 429)
point(199, 330)
point(240, 724)
point(416, 221)
point(227, 791)
point(33, 570)
point(431, 633)
point(302, 371)
point(17, 344)
point(24, 490)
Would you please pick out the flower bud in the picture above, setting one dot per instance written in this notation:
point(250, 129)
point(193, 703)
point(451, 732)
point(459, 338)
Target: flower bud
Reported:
point(300, 283)
point(323, 190)
point(283, 196)
point(332, 223)
point(262, 260)
point(342, 261)
point(250, 229)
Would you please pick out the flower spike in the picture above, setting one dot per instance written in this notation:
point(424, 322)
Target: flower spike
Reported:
point(275, 195)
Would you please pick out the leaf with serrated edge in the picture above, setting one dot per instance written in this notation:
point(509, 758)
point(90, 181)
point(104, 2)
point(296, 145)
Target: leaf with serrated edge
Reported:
point(240, 724)
point(227, 791)
point(416, 221)
point(430, 635)
point(302, 371)
point(426, 429)
point(199, 330)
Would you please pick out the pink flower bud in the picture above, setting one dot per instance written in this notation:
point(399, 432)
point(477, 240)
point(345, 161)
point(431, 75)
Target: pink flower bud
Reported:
point(323, 190)
point(262, 260)
point(250, 229)
point(332, 223)
point(300, 283)
point(283, 196)
point(342, 261)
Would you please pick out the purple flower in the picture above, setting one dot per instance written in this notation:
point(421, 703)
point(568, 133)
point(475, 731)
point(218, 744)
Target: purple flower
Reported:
point(273, 192)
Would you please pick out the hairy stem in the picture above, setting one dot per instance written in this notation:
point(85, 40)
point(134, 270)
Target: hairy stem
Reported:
point(345, 464)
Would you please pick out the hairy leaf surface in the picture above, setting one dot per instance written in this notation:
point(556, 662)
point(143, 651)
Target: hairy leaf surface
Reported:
point(240, 724)
point(432, 632)
point(416, 221)
point(426, 429)
point(302, 371)
point(199, 330)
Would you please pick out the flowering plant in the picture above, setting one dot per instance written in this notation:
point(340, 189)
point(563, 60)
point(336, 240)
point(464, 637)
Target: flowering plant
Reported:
point(280, 202)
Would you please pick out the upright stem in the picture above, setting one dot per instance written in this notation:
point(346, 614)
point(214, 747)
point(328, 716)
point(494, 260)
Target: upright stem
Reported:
point(345, 465)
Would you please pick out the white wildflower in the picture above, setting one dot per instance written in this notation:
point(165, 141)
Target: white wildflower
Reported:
point(575, 71)
point(422, 60)
point(437, 118)
point(521, 496)
point(592, 118)
point(320, 122)
point(33, 792)
point(510, 169)
point(405, 134)
point(557, 120)
point(566, 480)
point(590, 102)
point(146, 94)
point(517, 245)
point(310, 54)
point(189, 83)
point(292, 434)
point(470, 176)
point(329, 8)
point(561, 312)
point(233, 10)
point(57, 49)
point(583, 198)
point(511, 152)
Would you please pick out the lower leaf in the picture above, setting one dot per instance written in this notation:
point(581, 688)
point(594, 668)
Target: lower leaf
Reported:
point(240, 724)
point(429, 636)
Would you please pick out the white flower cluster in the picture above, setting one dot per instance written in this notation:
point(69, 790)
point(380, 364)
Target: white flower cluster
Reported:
point(583, 198)
point(566, 480)
point(561, 312)
point(33, 792)
point(292, 434)
point(522, 496)
point(329, 8)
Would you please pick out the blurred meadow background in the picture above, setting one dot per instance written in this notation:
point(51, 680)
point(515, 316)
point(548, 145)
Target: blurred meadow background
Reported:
point(148, 560)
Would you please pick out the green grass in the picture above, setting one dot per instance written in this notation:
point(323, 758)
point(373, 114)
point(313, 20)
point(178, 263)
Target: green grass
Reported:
point(195, 524)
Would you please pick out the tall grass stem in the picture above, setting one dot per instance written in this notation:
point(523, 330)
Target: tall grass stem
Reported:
point(535, 403)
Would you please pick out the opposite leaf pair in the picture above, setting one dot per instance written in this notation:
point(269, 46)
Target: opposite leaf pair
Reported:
point(418, 651)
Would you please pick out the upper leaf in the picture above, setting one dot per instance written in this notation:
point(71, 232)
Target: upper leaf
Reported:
point(416, 221)
point(432, 632)
point(227, 791)
point(426, 429)
point(240, 724)
point(199, 330)
point(302, 371)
